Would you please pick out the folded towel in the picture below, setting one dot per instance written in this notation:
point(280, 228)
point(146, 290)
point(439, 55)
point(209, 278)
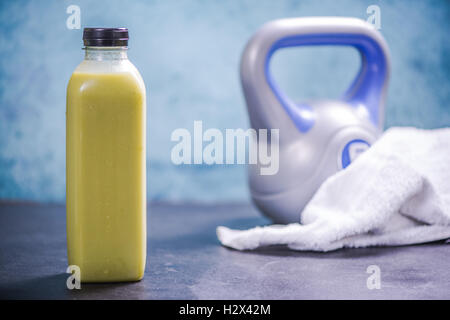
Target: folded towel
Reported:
point(396, 193)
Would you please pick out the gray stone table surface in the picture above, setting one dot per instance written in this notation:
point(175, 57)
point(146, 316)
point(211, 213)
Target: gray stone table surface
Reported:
point(186, 261)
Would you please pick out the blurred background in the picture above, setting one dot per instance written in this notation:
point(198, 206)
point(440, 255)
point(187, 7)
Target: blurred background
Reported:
point(188, 53)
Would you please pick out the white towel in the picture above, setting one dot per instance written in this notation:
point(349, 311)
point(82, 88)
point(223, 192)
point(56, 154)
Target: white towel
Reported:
point(396, 193)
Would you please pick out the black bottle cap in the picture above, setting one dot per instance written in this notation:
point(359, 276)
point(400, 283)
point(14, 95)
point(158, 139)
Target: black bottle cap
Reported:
point(105, 37)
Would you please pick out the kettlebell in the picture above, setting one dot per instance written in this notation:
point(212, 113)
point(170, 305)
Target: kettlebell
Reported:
point(316, 138)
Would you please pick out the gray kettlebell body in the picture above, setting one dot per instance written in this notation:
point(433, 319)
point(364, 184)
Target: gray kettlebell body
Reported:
point(316, 138)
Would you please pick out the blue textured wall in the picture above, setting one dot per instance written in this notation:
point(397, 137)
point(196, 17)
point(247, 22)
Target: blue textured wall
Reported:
point(188, 53)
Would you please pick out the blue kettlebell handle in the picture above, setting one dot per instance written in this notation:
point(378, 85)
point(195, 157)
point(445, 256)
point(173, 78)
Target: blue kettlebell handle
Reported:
point(368, 88)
